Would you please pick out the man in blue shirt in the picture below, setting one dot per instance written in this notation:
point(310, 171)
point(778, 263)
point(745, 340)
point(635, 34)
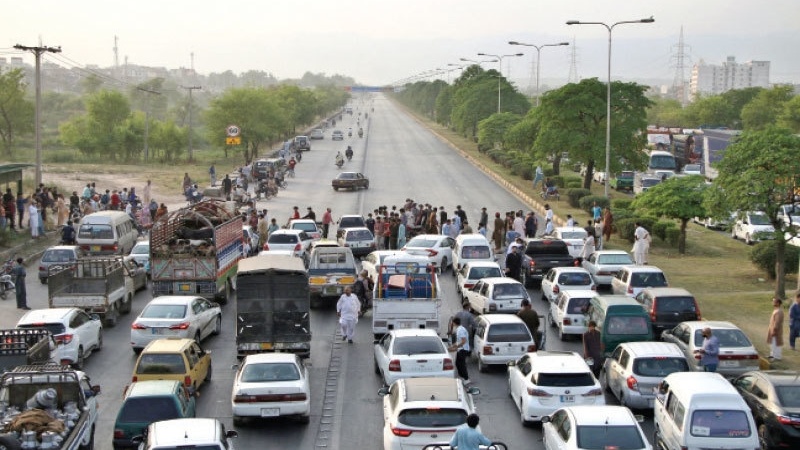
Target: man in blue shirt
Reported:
point(709, 354)
point(462, 349)
point(467, 437)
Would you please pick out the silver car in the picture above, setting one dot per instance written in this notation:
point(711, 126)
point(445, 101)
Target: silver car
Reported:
point(603, 264)
point(175, 316)
point(737, 354)
point(57, 258)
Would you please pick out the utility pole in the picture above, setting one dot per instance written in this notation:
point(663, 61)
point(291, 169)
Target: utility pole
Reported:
point(37, 51)
point(147, 119)
point(190, 89)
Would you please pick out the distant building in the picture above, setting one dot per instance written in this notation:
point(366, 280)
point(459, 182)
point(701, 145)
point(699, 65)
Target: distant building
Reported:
point(716, 79)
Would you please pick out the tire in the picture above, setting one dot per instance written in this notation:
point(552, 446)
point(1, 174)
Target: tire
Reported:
point(99, 341)
point(366, 186)
point(125, 307)
point(747, 239)
point(78, 364)
point(303, 419)
point(43, 280)
point(443, 268)
point(335, 188)
point(377, 369)
point(217, 326)
point(207, 379)
point(561, 336)
point(110, 319)
point(544, 298)
point(238, 421)
point(9, 443)
point(763, 437)
point(482, 367)
point(526, 281)
point(525, 423)
point(197, 337)
point(603, 379)
point(733, 234)
point(657, 440)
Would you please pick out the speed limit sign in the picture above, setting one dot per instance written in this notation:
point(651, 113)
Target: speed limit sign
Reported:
point(232, 130)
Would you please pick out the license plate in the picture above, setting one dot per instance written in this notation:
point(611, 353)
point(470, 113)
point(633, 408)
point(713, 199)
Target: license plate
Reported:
point(406, 325)
point(729, 363)
point(567, 399)
point(270, 412)
point(157, 330)
point(185, 287)
point(331, 291)
point(95, 248)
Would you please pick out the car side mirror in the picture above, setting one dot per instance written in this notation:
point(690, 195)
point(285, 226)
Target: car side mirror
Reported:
point(511, 363)
point(230, 434)
point(234, 367)
point(384, 391)
point(138, 439)
point(473, 391)
point(545, 419)
point(95, 316)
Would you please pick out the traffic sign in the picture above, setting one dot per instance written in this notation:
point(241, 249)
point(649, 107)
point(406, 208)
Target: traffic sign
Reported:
point(232, 130)
point(233, 140)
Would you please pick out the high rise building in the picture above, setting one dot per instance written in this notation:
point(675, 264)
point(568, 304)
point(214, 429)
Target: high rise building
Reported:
point(716, 79)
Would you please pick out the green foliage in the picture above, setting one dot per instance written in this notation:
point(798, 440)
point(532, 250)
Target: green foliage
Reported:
point(763, 111)
point(660, 228)
point(558, 180)
point(665, 112)
point(573, 183)
point(764, 256)
point(16, 112)
point(492, 130)
point(5, 237)
point(790, 116)
point(673, 236)
point(719, 110)
point(621, 203)
point(587, 203)
point(627, 226)
point(575, 196)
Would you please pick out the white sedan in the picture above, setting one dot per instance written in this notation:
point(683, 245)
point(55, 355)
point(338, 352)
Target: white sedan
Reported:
point(176, 316)
point(410, 354)
point(603, 264)
point(77, 333)
point(565, 279)
point(438, 248)
point(271, 385)
point(573, 237)
point(593, 427)
point(753, 226)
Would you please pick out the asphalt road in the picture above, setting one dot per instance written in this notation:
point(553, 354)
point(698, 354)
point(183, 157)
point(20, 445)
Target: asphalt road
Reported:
point(403, 160)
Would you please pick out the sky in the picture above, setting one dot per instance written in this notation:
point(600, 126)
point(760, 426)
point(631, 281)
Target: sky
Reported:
point(378, 42)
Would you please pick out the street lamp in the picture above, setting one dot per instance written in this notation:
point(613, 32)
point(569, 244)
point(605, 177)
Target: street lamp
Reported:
point(500, 77)
point(478, 62)
point(608, 88)
point(538, 59)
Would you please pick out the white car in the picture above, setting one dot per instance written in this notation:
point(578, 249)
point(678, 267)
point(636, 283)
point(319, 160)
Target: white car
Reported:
point(500, 339)
point(603, 264)
point(540, 383)
point(372, 261)
point(692, 169)
point(599, 177)
point(307, 225)
point(141, 254)
point(271, 385)
point(197, 433)
point(560, 279)
point(573, 237)
point(473, 271)
point(752, 226)
point(77, 333)
point(250, 236)
point(297, 241)
point(630, 280)
point(438, 248)
point(496, 294)
point(412, 353)
point(176, 316)
point(424, 412)
point(592, 428)
point(566, 313)
point(359, 240)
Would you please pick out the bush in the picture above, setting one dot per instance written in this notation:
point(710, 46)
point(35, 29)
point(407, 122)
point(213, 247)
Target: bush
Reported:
point(572, 179)
point(573, 184)
point(673, 235)
point(586, 203)
point(660, 228)
point(621, 203)
point(763, 256)
point(575, 196)
point(558, 180)
point(626, 227)
point(548, 171)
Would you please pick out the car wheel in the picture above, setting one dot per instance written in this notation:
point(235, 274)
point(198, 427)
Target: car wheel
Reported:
point(525, 422)
point(238, 421)
point(526, 281)
point(544, 297)
point(482, 367)
point(197, 337)
point(443, 266)
point(304, 419)
point(747, 239)
point(99, 341)
point(763, 437)
point(377, 369)
point(733, 233)
point(78, 364)
point(366, 186)
point(603, 379)
point(207, 379)
point(43, 280)
point(335, 188)
point(217, 326)
point(561, 335)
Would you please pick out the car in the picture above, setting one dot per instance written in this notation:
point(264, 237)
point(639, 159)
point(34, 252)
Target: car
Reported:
point(790, 214)
point(350, 180)
point(716, 223)
point(250, 236)
point(57, 258)
point(302, 143)
point(574, 237)
point(500, 339)
point(774, 399)
point(174, 359)
point(752, 227)
point(350, 221)
point(496, 294)
point(692, 169)
point(141, 254)
point(136, 272)
point(423, 412)
point(412, 353)
point(592, 428)
point(603, 264)
point(307, 225)
point(470, 247)
point(262, 167)
point(630, 280)
point(178, 316)
point(146, 402)
point(337, 135)
point(646, 182)
point(438, 248)
point(564, 279)
point(271, 385)
point(316, 133)
point(197, 433)
point(542, 382)
point(359, 240)
point(76, 332)
point(566, 313)
point(635, 369)
point(668, 307)
point(599, 177)
point(623, 181)
point(298, 241)
point(374, 260)
point(736, 352)
point(473, 271)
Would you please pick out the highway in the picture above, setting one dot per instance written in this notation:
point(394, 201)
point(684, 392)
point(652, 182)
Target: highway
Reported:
point(403, 160)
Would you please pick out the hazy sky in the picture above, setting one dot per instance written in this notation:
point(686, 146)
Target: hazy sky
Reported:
point(380, 41)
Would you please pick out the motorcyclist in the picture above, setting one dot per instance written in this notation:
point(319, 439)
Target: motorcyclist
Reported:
point(68, 234)
point(339, 159)
point(360, 132)
point(350, 132)
point(292, 163)
point(349, 153)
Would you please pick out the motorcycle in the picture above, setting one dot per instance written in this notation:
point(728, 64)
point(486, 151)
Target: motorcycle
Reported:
point(360, 133)
point(6, 283)
point(550, 193)
point(349, 134)
point(349, 153)
point(339, 162)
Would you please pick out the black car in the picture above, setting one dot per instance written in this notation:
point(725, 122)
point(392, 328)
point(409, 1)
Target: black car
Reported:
point(774, 399)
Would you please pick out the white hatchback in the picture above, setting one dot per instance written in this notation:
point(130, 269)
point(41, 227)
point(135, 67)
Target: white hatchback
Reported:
point(77, 333)
point(603, 264)
point(271, 385)
point(567, 312)
point(630, 280)
point(496, 294)
point(437, 248)
point(473, 271)
point(574, 237)
point(593, 427)
point(500, 339)
point(560, 279)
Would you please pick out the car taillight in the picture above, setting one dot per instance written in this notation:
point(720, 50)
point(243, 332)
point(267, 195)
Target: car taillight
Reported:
point(653, 315)
point(119, 434)
point(42, 268)
point(567, 321)
point(632, 383)
point(402, 432)
point(267, 398)
point(487, 350)
point(64, 338)
point(630, 289)
point(538, 393)
point(468, 285)
point(135, 379)
point(297, 247)
point(447, 364)
point(266, 246)
point(531, 348)
point(432, 252)
point(593, 393)
point(786, 420)
point(394, 365)
point(187, 381)
point(737, 357)
point(65, 362)
point(138, 326)
point(532, 263)
point(556, 289)
point(576, 263)
point(180, 326)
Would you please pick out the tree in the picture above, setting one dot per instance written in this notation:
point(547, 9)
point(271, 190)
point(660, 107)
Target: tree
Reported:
point(790, 116)
point(760, 171)
point(16, 113)
point(676, 198)
point(102, 131)
point(492, 130)
point(763, 111)
point(665, 112)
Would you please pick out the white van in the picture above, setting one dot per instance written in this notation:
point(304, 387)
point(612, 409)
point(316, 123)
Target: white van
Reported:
point(702, 410)
point(107, 233)
point(471, 247)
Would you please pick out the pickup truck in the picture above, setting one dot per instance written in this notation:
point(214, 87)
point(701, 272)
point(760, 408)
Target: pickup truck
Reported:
point(407, 295)
point(541, 255)
point(25, 347)
point(42, 399)
point(330, 270)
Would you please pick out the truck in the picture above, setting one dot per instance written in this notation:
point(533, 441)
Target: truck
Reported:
point(330, 270)
point(272, 306)
point(195, 251)
point(714, 144)
point(48, 407)
point(541, 255)
point(99, 286)
point(22, 347)
point(406, 295)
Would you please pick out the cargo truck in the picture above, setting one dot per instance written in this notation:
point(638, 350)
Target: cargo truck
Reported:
point(406, 295)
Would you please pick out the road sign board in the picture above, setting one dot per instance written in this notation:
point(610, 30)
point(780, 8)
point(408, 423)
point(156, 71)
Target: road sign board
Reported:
point(233, 140)
point(232, 130)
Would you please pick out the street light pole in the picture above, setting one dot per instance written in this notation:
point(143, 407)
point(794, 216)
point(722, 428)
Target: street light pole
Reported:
point(500, 75)
point(190, 89)
point(608, 88)
point(538, 59)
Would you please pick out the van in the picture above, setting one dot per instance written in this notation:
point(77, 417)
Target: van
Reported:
point(668, 307)
point(262, 167)
point(619, 319)
point(471, 247)
point(146, 402)
point(701, 410)
point(107, 233)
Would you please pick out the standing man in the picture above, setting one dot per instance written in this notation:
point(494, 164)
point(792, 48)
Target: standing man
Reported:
point(19, 282)
point(484, 221)
point(327, 219)
point(531, 223)
point(640, 244)
point(467, 321)
point(462, 215)
point(227, 185)
point(467, 437)
point(593, 347)
point(513, 262)
point(775, 331)
point(794, 320)
point(596, 212)
point(531, 319)
point(462, 349)
point(499, 232)
point(709, 354)
point(347, 309)
point(212, 172)
point(608, 224)
point(519, 224)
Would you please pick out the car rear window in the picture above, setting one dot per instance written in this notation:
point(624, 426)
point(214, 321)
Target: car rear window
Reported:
point(424, 243)
point(627, 325)
point(565, 379)
point(282, 238)
point(149, 410)
point(359, 235)
point(476, 273)
point(574, 279)
point(476, 252)
point(508, 332)
point(720, 423)
point(573, 234)
point(417, 345)
point(509, 291)
point(161, 363)
point(614, 259)
point(95, 232)
point(648, 279)
point(676, 304)
point(432, 417)
point(58, 256)
point(305, 226)
point(164, 312)
point(659, 367)
point(727, 338)
point(253, 373)
point(53, 328)
point(351, 222)
point(613, 437)
point(789, 396)
point(577, 305)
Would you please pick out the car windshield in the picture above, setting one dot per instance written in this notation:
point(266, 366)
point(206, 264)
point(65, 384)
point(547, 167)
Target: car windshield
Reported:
point(53, 328)
point(617, 437)
point(616, 259)
point(347, 176)
point(574, 279)
point(416, 345)
point(509, 291)
point(650, 182)
point(648, 279)
point(564, 379)
point(359, 235)
point(627, 325)
point(276, 238)
point(432, 417)
point(625, 174)
point(95, 232)
point(789, 396)
point(726, 337)
point(476, 273)
point(305, 226)
point(148, 410)
point(758, 219)
point(691, 168)
point(164, 312)
point(58, 256)
point(424, 243)
point(659, 366)
point(140, 250)
point(577, 305)
point(508, 332)
point(351, 222)
point(254, 373)
point(161, 363)
point(577, 234)
point(662, 162)
point(720, 423)
point(476, 252)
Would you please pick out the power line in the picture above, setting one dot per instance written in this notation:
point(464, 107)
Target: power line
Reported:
point(679, 82)
point(573, 64)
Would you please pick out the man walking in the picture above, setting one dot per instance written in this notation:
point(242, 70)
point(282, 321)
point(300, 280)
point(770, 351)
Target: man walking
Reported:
point(640, 244)
point(327, 219)
point(347, 309)
point(467, 437)
point(593, 347)
point(467, 321)
point(775, 331)
point(513, 262)
point(212, 172)
point(462, 349)
point(794, 321)
point(19, 282)
point(531, 320)
point(709, 354)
